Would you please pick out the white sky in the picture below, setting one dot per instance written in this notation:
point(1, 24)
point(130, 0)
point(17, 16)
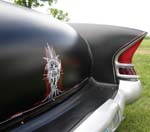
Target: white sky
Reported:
point(128, 13)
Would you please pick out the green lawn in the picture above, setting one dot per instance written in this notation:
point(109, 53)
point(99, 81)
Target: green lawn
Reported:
point(137, 115)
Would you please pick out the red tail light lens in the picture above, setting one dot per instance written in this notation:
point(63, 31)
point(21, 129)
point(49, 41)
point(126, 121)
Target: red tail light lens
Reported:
point(127, 71)
point(126, 56)
point(124, 66)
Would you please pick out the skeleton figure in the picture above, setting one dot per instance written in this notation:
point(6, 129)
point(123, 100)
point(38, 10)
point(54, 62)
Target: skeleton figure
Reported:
point(53, 68)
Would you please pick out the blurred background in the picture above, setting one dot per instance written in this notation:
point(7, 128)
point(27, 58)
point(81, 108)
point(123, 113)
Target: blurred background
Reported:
point(127, 13)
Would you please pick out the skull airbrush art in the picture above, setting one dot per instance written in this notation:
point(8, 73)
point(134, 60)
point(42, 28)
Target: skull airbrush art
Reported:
point(53, 72)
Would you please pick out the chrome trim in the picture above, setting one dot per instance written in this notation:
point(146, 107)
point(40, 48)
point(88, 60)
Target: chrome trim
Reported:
point(122, 65)
point(134, 77)
point(109, 116)
point(127, 47)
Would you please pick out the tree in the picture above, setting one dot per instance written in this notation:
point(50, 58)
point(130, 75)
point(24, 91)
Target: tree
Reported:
point(56, 13)
point(59, 14)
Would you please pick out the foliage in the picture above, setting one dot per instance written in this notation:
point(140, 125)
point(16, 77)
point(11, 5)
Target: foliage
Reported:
point(147, 37)
point(56, 13)
point(29, 3)
point(59, 14)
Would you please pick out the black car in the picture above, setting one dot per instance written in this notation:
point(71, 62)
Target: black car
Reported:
point(62, 77)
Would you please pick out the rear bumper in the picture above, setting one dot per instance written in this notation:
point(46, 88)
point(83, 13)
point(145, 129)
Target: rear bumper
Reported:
point(108, 116)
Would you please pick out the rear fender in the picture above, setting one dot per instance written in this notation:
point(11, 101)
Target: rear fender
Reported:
point(105, 42)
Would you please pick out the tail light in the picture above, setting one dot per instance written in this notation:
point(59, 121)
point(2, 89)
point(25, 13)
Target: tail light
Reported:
point(123, 62)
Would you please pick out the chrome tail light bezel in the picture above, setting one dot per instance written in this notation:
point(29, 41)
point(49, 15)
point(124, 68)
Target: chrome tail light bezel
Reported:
point(119, 65)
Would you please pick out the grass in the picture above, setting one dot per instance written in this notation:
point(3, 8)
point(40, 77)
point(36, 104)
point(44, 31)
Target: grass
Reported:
point(137, 115)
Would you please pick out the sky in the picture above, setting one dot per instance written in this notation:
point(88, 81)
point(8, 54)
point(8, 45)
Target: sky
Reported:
point(126, 13)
